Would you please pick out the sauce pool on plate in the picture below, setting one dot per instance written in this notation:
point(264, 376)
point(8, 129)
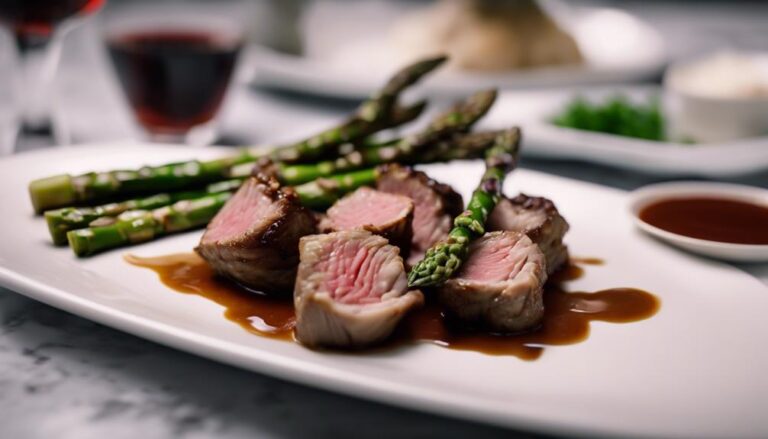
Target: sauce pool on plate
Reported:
point(710, 218)
point(566, 321)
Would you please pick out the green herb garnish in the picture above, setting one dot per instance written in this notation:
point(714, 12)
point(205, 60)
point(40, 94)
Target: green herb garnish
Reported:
point(616, 116)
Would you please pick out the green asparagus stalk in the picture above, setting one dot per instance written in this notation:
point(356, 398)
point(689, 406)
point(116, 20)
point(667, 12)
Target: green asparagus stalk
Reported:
point(136, 226)
point(380, 105)
point(67, 190)
point(445, 257)
point(375, 114)
point(458, 119)
point(459, 147)
point(323, 192)
point(61, 221)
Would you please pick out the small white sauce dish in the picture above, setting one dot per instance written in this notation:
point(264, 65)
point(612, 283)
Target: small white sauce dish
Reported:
point(648, 195)
point(717, 98)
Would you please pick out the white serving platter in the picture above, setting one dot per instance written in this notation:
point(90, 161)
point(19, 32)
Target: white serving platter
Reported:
point(534, 110)
point(694, 370)
point(348, 53)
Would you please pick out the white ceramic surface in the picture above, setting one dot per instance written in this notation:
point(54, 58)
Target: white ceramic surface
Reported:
point(693, 370)
point(534, 109)
point(647, 195)
point(353, 60)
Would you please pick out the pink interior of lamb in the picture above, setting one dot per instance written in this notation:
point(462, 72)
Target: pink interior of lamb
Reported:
point(351, 270)
point(247, 207)
point(426, 215)
point(494, 260)
point(367, 207)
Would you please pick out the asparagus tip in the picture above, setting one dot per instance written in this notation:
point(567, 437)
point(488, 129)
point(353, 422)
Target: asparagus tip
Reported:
point(435, 60)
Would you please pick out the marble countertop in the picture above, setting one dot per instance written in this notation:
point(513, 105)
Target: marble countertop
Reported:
point(66, 377)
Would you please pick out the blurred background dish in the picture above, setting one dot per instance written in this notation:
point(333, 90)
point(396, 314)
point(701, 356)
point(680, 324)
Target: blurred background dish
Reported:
point(485, 36)
point(545, 115)
point(718, 97)
point(506, 44)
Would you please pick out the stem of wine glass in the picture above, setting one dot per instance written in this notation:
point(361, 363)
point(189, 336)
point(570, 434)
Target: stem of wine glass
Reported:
point(38, 60)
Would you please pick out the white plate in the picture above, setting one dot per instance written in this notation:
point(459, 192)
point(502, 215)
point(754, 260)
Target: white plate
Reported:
point(534, 109)
point(696, 369)
point(647, 195)
point(354, 59)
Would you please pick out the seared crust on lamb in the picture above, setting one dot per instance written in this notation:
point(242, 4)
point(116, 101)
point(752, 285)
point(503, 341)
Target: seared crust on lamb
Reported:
point(435, 205)
point(254, 239)
point(539, 219)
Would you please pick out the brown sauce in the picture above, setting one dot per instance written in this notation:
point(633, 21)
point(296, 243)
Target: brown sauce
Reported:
point(713, 219)
point(566, 320)
point(586, 261)
point(189, 273)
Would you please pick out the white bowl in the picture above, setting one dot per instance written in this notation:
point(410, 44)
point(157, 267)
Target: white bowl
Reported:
point(719, 113)
point(647, 195)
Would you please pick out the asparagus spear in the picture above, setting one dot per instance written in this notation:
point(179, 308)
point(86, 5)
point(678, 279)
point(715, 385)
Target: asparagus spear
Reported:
point(445, 257)
point(458, 119)
point(380, 105)
point(143, 225)
point(67, 190)
point(375, 114)
point(61, 221)
point(323, 192)
point(136, 226)
point(460, 146)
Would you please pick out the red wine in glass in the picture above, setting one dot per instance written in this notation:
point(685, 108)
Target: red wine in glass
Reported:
point(40, 17)
point(174, 79)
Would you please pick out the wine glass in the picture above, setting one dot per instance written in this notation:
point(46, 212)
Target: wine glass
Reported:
point(174, 62)
point(37, 27)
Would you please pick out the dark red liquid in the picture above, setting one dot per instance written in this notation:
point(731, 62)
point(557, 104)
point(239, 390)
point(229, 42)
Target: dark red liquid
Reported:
point(41, 16)
point(713, 219)
point(174, 80)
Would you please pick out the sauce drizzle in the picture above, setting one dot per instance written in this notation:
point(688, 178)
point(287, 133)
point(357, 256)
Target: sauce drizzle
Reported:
point(566, 321)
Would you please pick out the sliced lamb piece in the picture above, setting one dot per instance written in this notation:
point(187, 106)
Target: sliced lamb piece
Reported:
point(539, 219)
point(435, 205)
point(500, 286)
point(351, 290)
point(380, 213)
point(254, 239)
